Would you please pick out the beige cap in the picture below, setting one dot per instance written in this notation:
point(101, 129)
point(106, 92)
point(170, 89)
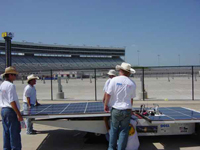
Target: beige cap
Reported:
point(112, 73)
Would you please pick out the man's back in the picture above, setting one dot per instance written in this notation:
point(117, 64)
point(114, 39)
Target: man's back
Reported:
point(122, 90)
point(106, 85)
point(8, 94)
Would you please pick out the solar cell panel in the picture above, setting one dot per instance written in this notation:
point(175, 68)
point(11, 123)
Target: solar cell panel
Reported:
point(196, 116)
point(182, 117)
point(69, 108)
point(159, 118)
point(74, 108)
point(175, 113)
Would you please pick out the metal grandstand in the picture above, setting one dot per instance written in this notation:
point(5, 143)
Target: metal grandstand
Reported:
point(28, 56)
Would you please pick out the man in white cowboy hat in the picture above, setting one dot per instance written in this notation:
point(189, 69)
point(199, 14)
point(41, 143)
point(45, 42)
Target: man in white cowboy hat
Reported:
point(30, 100)
point(10, 112)
point(121, 92)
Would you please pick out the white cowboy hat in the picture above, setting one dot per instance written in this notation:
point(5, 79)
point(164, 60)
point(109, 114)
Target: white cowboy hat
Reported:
point(31, 77)
point(9, 70)
point(126, 67)
point(111, 73)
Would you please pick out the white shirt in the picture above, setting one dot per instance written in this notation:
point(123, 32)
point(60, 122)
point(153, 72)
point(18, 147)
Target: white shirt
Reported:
point(30, 91)
point(8, 94)
point(122, 89)
point(133, 142)
point(105, 88)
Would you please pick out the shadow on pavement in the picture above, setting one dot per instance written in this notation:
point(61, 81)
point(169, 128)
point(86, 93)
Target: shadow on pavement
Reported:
point(169, 142)
point(72, 140)
point(77, 140)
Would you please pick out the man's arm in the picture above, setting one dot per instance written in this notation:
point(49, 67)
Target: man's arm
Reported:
point(104, 89)
point(14, 106)
point(104, 97)
point(109, 93)
point(106, 108)
point(131, 101)
point(28, 101)
point(11, 98)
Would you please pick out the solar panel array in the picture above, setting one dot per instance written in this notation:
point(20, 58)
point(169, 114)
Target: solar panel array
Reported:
point(169, 113)
point(175, 113)
point(68, 108)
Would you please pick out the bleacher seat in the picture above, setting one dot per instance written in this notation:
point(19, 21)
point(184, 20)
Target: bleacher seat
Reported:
point(37, 63)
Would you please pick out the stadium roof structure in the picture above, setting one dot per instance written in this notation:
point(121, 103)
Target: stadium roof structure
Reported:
point(29, 48)
point(28, 56)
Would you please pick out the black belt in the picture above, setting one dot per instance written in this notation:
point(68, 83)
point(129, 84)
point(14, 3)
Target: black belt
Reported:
point(7, 108)
point(121, 109)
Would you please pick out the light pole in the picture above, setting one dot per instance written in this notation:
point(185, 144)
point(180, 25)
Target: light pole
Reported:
point(179, 59)
point(138, 57)
point(8, 37)
point(158, 60)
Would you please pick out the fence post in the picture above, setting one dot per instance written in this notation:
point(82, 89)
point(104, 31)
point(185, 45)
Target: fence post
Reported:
point(143, 90)
point(51, 85)
point(192, 82)
point(95, 83)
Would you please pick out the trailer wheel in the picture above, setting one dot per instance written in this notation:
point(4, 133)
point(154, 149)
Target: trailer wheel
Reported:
point(97, 134)
point(197, 130)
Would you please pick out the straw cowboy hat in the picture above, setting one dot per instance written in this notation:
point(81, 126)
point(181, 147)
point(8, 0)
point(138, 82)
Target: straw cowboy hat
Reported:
point(9, 70)
point(126, 67)
point(111, 73)
point(31, 77)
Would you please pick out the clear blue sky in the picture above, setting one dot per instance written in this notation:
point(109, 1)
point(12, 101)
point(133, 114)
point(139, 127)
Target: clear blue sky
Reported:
point(154, 27)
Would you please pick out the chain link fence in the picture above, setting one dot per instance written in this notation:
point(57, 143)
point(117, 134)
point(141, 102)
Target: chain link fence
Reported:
point(153, 83)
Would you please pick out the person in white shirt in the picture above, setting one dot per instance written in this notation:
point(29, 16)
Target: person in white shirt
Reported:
point(30, 100)
point(111, 74)
point(120, 93)
point(10, 112)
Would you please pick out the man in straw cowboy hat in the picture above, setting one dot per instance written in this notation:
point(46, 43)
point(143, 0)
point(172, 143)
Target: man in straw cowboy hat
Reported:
point(30, 100)
point(121, 92)
point(10, 111)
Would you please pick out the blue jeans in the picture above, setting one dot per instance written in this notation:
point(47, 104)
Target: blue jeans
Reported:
point(29, 124)
point(120, 120)
point(11, 129)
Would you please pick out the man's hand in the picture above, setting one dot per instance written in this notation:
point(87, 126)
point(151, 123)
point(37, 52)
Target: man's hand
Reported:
point(133, 113)
point(107, 98)
point(37, 104)
point(14, 107)
point(20, 118)
point(104, 97)
point(106, 108)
